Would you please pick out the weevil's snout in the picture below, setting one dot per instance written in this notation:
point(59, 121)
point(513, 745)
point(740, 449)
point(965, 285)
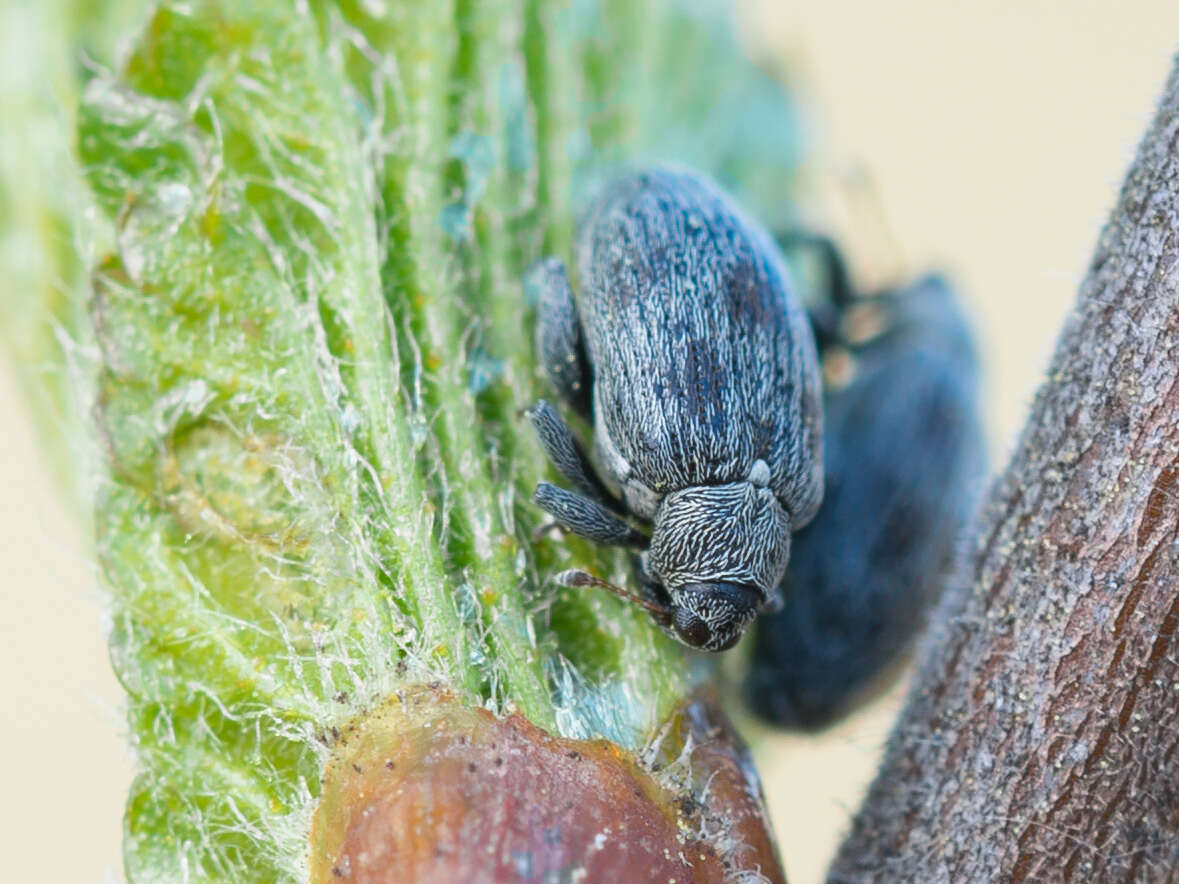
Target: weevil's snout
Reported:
point(713, 616)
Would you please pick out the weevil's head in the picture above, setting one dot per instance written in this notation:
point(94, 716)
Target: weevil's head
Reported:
point(713, 616)
point(720, 552)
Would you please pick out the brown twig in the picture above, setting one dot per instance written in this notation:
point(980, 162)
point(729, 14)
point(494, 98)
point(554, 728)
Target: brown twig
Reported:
point(1041, 739)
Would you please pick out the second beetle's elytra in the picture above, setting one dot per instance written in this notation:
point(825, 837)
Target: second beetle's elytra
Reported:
point(691, 355)
point(903, 461)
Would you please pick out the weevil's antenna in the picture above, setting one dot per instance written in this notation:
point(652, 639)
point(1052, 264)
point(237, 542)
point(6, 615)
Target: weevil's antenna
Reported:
point(578, 579)
point(862, 193)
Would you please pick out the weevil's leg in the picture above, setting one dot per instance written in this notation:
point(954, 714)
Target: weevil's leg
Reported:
point(839, 283)
point(825, 316)
point(586, 518)
point(558, 334)
point(567, 454)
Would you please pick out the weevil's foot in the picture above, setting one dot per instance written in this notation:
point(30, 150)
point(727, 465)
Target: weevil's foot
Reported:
point(547, 529)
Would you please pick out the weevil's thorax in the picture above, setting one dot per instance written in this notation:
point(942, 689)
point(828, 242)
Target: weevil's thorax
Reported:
point(736, 533)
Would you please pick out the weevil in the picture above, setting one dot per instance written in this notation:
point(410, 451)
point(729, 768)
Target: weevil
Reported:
point(692, 357)
point(903, 459)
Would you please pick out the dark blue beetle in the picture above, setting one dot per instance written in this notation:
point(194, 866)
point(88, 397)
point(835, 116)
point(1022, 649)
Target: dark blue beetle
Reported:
point(691, 355)
point(903, 460)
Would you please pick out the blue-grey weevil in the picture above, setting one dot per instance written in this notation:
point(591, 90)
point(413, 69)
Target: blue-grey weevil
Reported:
point(691, 355)
point(903, 461)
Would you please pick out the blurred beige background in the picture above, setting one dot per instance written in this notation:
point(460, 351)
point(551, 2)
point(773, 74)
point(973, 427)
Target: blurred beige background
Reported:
point(996, 135)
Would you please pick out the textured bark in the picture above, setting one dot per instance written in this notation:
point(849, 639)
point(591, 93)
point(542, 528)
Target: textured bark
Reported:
point(1041, 739)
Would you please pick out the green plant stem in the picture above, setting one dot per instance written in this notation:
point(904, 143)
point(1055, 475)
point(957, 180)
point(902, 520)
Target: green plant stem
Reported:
point(307, 345)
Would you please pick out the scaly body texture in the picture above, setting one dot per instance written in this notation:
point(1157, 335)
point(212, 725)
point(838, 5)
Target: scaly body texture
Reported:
point(693, 358)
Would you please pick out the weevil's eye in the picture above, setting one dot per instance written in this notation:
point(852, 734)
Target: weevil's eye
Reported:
point(690, 628)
